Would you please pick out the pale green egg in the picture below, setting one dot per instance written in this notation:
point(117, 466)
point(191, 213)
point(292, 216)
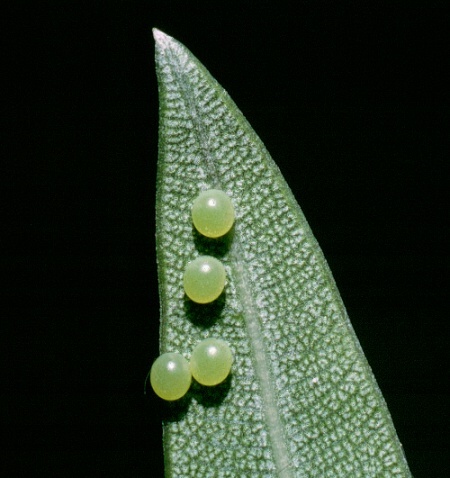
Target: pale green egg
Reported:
point(211, 361)
point(213, 213)
point(204, 279)
point(170, 376)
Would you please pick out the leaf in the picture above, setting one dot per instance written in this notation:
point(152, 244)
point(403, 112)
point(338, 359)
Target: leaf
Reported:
point(302, 400)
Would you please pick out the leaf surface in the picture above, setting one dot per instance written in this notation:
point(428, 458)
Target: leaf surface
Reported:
point(301, 400)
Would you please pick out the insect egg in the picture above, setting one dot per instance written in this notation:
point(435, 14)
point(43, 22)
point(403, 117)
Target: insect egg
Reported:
point(213, 213)
point(211, 361)
point(170, 376)
point(204, 279)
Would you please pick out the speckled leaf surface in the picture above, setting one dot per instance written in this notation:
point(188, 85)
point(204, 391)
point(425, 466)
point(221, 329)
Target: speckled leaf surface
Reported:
point(301, 400)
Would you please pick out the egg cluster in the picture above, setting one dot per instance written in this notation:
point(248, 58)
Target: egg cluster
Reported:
point(204, 281)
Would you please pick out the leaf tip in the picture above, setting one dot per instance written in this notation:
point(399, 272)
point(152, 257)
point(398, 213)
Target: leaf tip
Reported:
point(161, 39)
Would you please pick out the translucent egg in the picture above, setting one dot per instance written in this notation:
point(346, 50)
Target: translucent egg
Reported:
point(211, 361)
point(170, 376)
point(204, 279)
point(213, 213)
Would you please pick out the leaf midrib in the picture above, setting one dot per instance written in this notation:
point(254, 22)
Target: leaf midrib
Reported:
point(271, 414)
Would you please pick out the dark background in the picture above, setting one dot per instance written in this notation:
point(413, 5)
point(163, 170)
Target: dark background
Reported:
point(353, 104)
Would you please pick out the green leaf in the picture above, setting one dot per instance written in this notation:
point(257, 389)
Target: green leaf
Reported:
point(301, 400)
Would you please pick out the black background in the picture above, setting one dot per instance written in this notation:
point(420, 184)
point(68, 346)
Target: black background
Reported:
point(353, 104)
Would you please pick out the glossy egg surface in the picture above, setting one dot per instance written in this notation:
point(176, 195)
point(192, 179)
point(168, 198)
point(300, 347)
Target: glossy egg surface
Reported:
point(204, 279)
point(213, 213)
point(211, 361)
point(170, 376)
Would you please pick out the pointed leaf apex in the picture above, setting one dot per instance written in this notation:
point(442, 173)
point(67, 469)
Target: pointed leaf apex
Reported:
point(161, 39)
